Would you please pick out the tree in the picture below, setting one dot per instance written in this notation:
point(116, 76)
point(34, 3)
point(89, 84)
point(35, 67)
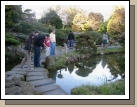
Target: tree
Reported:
point(51, 18)
point(79, 21)
point(95, 20)
point(12, 15)
point(116, 24)
point(28, 15)
point(69, 14)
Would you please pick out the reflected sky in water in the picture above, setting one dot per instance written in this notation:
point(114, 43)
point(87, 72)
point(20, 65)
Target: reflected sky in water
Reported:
point(98, 75)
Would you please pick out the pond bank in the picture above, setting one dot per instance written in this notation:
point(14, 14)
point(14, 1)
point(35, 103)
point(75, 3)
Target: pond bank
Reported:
point(116, 88)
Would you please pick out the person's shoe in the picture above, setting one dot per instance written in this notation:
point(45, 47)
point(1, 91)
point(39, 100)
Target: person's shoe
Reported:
point(31, 69)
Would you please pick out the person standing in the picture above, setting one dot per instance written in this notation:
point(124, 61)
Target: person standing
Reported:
point(70, 39)
point(47, 45)
point(105, 39)
point(27, 53)
point(38, 43)
point(53, 42)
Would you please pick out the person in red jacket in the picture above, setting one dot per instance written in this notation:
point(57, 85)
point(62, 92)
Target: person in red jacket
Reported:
point(47, 45)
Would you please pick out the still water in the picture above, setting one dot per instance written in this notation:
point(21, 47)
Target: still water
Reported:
point(94, 71)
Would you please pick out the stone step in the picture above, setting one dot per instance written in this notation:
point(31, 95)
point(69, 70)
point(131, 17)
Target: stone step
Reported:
point(19, 69)
point(38, 73)
point(25, 66)
point(33, 78)
point(57, 91)
point(42, 82)
point(8, 73)
point(15, 75)
point(47, 88)
point(39, 69)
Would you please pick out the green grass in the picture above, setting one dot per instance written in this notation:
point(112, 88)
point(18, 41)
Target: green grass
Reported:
point(107, 50)
point(116, 88)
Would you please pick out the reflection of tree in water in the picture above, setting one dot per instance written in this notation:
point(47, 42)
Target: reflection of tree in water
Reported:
point(114, 64)
point(86, 67)
point(59, 74)
point(70, 68)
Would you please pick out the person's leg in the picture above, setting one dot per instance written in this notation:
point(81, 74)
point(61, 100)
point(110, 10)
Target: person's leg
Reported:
point(47, 51)
point(71, 43)
point(23, 60)
point(35, 56)
point(51, 49)
point(38, 56)
point(28, 56)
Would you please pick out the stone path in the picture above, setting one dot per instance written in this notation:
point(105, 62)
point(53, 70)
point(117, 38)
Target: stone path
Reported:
point(38, 78)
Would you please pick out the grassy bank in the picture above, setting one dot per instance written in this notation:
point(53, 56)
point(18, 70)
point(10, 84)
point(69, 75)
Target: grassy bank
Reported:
point(116, 88)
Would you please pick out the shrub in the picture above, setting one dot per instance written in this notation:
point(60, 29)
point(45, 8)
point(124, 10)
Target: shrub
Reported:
point(96, 36)
point(85, 43)
point(17, 28)
point(10, 40)
point(26, 27)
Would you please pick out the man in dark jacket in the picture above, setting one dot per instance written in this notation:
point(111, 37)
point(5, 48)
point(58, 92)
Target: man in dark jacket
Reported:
point(38, 42)
point(70, 39)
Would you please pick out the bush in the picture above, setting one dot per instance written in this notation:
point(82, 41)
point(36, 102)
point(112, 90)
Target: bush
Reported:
point(96, 36)
point(26, 27)
point(17, 28)
point(85, 43)
point(10, 40)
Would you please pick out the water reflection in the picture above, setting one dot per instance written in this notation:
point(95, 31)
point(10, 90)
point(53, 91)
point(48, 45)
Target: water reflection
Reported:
point(95, 71)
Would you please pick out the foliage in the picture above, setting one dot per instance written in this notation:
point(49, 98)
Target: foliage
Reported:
point(85, 43)
point(21, 37)
point(24, 27)
point(29, 16)
point(12, 15)
point(10, 40)
point(116, 88)
point(116, 24)
point(51, 18)
point(61, 36)
point(96, 36)
point(94, 20)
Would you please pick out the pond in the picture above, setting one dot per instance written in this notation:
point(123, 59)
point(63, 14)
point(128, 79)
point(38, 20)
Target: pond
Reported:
point(97, 70)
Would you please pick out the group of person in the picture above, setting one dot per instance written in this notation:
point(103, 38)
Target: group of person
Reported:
point(48, 41)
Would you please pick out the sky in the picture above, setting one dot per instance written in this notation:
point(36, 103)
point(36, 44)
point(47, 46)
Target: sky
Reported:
point(105, 10)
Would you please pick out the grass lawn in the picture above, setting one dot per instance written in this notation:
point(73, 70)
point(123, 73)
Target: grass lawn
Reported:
point(116, 88)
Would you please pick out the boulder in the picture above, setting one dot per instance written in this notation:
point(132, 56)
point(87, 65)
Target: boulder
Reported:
point(50, 60)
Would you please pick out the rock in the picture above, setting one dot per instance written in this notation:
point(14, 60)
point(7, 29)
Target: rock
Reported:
point(18, 87)
point(50, 60)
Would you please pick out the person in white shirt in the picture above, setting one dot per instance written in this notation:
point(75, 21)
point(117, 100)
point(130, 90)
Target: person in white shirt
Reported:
point(53, 42)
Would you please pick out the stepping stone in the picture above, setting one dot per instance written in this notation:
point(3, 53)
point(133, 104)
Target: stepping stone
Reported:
point(19, 69)
point(15, 75)
point(39, 69)
point(47, 88)
point(32, 78)
point(38, 73)
point(25, 66)
point(42, 82)
point(8, 73)
point(57, 91)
